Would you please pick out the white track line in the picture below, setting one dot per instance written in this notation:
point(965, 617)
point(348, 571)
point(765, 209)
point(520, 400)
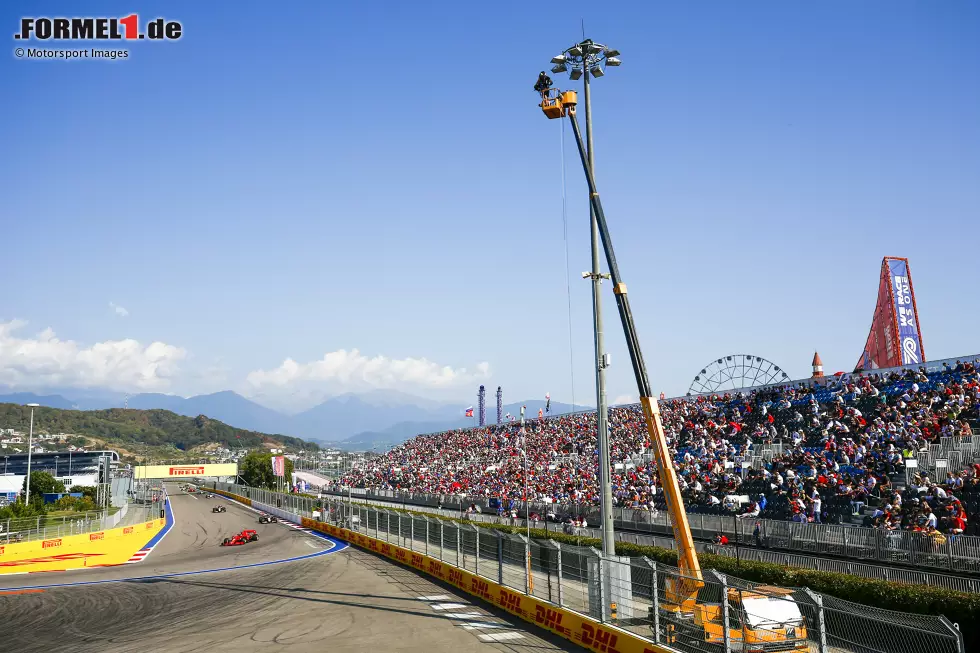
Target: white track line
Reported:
point(481, 625)
point(436, 597)
point(500, 637)
point(448, 606)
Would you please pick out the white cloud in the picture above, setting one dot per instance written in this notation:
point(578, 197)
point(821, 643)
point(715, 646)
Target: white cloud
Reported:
point(624, 399)
point(120, 311)
point(351, 371)
point(46, 360)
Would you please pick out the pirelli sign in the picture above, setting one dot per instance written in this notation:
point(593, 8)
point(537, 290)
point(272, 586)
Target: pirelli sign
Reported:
point(185, 471)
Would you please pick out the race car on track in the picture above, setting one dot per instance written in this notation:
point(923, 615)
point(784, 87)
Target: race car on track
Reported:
point(268, 519)
point(244, 537)
point(219, 509)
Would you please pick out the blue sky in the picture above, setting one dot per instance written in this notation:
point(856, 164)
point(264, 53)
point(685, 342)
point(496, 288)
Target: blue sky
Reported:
point(287, 181)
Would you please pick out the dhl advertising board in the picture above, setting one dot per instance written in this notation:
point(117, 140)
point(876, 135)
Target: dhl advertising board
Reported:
point(565, 623)
point(184, 471)
point(246, 501)
point(113, 546)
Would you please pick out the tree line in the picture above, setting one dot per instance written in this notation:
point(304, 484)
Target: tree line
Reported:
point(143, 427)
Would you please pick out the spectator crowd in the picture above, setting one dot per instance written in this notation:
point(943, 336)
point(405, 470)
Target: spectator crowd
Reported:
point(838, 453)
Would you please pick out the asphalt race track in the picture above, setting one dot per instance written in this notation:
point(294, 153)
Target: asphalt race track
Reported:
point(330, 599)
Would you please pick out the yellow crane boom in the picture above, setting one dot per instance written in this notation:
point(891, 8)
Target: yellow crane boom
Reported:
point(681, 593)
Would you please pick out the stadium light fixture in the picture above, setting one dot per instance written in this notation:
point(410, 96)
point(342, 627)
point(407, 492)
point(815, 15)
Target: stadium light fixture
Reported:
point(586, 57)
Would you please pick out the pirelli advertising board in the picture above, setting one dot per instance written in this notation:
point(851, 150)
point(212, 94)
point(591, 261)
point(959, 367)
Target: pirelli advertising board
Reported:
point(184, 471)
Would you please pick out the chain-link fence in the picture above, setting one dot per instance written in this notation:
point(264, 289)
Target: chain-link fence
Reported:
point(715, 614)
point(959, 553)
point(44, 527)
point(749, 546)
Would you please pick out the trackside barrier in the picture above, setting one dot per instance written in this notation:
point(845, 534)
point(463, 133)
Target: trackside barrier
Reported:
point(612, 604)
point(110, 547)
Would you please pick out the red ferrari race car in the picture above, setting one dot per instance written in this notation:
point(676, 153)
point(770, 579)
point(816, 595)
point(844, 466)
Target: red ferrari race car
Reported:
point(244, 537)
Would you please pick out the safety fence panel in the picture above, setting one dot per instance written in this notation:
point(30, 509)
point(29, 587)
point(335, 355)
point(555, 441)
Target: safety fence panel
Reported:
point(754, 547)
point(959, 553)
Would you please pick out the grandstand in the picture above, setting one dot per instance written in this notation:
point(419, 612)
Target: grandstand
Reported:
point(887, 448)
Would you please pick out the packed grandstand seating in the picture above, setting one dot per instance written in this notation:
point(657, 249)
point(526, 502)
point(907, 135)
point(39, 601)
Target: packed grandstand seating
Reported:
point(841, 450)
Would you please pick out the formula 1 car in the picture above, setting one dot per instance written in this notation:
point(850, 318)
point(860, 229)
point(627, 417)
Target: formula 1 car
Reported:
point(244, 537)
point(268, 519)
point(219, 509)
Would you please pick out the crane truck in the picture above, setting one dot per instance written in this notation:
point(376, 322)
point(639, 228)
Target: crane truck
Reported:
point(760, 620)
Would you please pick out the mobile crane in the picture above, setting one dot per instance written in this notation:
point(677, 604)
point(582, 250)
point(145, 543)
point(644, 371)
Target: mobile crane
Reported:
point(758, 620)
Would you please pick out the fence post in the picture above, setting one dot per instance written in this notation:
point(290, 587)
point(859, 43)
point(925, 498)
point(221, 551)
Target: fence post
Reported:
point(724, 614)
point(500, 559)
point(821, 624)
point(654, 599)
point(459, 546)
point(527, 565)
point(426, 549)
point(602, 599)
point(476, 561)
point(558, 548)
point(411, 532)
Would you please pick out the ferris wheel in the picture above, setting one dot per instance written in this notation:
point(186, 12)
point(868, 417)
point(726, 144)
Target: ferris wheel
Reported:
point(736, 372)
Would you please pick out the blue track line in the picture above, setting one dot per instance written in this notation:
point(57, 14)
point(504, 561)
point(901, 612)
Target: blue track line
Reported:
point(168, 511)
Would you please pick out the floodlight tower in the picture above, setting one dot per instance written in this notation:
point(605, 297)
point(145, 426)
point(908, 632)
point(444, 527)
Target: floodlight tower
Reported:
point(482, 396)
point(585, 60)
point(500, 405)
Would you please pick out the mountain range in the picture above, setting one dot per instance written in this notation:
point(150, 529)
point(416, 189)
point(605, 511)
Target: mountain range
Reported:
point(377, 419)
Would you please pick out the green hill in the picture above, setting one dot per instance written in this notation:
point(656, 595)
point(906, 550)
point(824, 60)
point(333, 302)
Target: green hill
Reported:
point(153, 428)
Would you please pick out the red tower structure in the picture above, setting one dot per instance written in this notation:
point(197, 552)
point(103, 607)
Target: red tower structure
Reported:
point(817, 366)
point(895, 338)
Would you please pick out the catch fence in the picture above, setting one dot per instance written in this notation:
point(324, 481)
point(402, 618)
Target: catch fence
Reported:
point(846, 549)
point(43, 527)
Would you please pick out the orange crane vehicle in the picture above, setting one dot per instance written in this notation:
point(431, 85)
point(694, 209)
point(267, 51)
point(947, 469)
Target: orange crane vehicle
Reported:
point(762, 619)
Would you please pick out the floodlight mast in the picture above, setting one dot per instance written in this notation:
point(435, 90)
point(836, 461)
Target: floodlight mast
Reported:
point(681, 592)
point(587, 59)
